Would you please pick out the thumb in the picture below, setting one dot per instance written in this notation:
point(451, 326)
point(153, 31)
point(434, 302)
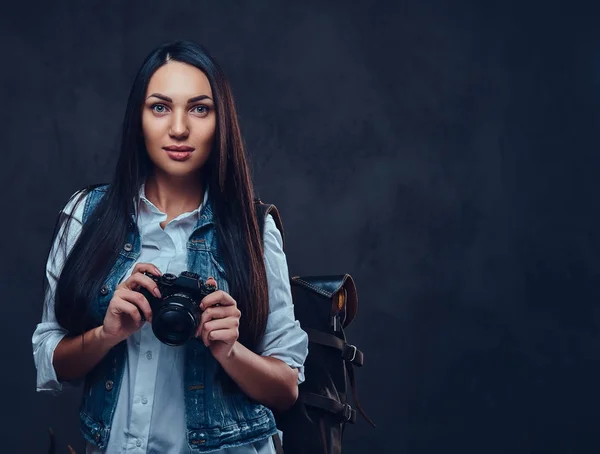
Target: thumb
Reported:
point(212, 281)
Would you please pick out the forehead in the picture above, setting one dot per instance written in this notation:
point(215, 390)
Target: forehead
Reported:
point(176, 79)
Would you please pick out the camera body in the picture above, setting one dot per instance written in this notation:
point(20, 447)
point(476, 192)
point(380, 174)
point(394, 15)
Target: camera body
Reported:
point(176, 315)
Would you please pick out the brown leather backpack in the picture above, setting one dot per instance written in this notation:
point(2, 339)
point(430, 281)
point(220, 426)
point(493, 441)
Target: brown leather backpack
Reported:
point(324, 306)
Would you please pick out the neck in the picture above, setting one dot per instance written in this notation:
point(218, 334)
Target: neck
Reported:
point(173, 195)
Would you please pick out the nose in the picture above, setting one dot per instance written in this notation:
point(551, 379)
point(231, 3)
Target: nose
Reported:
point(179, 126)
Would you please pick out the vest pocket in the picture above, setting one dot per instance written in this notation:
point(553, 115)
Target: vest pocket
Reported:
point(246, 409)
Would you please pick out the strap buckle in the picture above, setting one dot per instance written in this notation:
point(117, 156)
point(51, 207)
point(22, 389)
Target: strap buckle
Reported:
point(354, 350)
point(347, 412)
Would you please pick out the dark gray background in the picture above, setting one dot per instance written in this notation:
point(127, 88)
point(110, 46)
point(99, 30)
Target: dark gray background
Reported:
point(443, 153)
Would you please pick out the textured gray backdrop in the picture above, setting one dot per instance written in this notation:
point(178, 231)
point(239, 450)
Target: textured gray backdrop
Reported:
point(443, 153)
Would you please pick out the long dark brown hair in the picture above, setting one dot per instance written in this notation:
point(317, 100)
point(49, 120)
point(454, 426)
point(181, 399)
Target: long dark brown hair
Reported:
point(231, 194)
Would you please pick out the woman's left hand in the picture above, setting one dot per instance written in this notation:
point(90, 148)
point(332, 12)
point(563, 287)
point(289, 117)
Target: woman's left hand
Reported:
point(219, 324)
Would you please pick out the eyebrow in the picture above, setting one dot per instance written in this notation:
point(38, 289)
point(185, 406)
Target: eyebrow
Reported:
point(167, 99)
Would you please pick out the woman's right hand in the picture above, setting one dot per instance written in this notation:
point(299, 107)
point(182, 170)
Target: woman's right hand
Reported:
point(123, 316)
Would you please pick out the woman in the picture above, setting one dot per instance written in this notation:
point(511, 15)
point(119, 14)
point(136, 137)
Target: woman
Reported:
point(181, 200)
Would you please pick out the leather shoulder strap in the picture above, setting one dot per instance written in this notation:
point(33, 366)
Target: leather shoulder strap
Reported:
point(262, 209)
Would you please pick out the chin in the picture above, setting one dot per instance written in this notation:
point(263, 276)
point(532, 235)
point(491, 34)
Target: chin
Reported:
point(181, 171)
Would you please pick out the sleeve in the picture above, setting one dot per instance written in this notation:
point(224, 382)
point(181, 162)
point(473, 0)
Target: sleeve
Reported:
point(48, 333)
point(284, 339)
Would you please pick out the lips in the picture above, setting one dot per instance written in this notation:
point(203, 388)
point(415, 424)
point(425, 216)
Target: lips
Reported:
point(179, 152)
point(179, 155)
point(178, 148)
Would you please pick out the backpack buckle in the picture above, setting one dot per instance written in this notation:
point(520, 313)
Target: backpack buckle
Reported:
point(336, 323)
point(348, 413)
point(354, 350)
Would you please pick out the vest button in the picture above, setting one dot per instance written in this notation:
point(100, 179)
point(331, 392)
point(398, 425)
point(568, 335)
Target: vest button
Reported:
point(104, 290)
point(128, 247)
point(109, 385)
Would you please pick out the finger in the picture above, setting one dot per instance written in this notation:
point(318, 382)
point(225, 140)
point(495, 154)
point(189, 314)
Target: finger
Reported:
point(146, 267)
point(138, 300)
point(221, 323)
point(123, 306)
point(218, 312)
point(219, 297)
point(218, 325)
point(229, 336)
point(138, 280)
point(212, 281)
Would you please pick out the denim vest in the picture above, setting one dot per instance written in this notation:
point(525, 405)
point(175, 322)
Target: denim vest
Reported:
point(215, 418)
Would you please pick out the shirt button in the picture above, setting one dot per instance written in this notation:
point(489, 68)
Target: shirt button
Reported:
point(109, 385)
point(128, 247)
point(138, 443)
point(104, 290)
point(144, 400)
point(149, 354)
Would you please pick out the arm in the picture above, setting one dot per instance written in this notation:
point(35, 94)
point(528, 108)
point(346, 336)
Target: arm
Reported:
point(60, 357)
point(49, 333)
point(266, 379)
point(75, 356)
point(272, 376)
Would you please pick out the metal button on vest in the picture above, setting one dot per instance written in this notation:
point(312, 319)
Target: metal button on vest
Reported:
point(104, 290)
point(128, 247)
point(144, 400)
point(109, 385)
point(149, 354)
point(138, 443)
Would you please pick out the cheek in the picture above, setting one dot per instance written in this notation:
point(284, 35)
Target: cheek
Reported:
point(206, 136)
point(152, 133)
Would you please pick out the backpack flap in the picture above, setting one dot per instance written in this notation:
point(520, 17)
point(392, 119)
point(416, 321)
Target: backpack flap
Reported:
point(340, 289)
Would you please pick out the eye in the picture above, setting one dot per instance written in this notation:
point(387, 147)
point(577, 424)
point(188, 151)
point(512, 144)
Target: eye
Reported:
point(158, 108)
point(201, 109)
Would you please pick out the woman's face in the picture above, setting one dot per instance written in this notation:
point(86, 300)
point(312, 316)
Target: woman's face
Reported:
point(178, 112)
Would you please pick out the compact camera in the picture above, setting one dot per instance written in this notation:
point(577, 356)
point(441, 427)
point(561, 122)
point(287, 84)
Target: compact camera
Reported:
point(176, 315)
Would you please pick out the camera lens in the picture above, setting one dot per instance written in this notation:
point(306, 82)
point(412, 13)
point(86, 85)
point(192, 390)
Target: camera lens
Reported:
point(173, 322)
point(176, 320)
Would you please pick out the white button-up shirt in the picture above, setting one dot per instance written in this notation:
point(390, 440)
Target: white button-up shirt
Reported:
point(150, 413)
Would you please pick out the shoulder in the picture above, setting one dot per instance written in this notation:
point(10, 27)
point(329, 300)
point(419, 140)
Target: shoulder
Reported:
point(270, 223)
point(273, 241)
point(76, 204)
point(271, 226)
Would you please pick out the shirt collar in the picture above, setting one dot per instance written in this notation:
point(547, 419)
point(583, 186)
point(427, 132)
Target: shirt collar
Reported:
point(153, 208)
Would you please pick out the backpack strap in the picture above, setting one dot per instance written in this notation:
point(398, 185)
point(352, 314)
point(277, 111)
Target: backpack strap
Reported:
point(349, 352)
point(343, 411)
point(351, 356)
point(277, 444)
point(350, 371)
point(262, 209)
